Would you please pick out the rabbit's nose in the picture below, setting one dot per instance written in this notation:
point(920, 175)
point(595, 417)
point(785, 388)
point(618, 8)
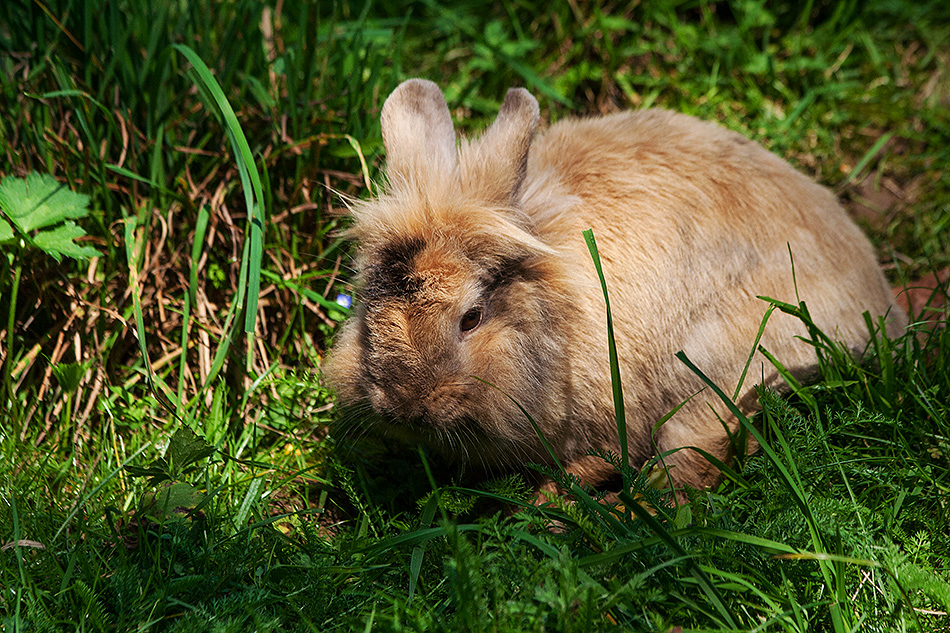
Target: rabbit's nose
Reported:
point(406, 398)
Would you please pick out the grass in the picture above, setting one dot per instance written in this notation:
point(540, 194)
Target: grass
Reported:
point(114, 517)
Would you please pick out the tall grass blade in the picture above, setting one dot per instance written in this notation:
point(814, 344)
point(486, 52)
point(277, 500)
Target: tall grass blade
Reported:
point(788, 474)
point(705, 583)
point(191, 297)
point(418, 552)
point(251, 497)
point(163, 394)
point(102, 484)
point(251, 183)
point(755, 347)
point(615, 382)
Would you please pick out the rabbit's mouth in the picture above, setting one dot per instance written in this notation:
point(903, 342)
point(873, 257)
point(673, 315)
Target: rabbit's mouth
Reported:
point(437, 432)
point(426, 422)
point(463, 439)
point(439, 409)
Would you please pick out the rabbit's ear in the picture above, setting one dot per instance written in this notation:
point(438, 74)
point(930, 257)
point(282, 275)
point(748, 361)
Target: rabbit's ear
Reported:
point(502, 151)
point(418, 133)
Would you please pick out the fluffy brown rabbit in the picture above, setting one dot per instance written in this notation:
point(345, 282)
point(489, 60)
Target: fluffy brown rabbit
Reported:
point(472, 267)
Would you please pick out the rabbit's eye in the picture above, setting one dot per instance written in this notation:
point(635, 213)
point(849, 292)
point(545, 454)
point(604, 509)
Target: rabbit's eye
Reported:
point(470, 320)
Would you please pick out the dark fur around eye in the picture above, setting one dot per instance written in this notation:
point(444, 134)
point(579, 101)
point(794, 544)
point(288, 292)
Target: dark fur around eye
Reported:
point(507, 271)
point(391, 275)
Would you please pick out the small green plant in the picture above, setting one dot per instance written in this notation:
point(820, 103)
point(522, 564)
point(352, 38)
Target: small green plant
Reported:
point(175, 496)
point(36, 212)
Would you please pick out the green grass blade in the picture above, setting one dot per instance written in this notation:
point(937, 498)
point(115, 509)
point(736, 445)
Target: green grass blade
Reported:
point(422, 535)
point(164, 395)
point(418, 552)
point(705, 583)
point(755, 346)
point(868, 157)
point(122, 171)
point(251, 498)
point(191, 297)
point(106, 480)
point(791, 480)
point(251, 183)
point(619, 413)
point(788, 472)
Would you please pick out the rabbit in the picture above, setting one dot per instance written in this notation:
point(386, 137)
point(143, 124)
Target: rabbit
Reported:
point(478, 303)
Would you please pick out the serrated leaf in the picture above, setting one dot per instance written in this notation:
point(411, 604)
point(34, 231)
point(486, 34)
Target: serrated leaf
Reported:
point(40, 201)
point(59, 241)
point(186, 448)
point(68, 375)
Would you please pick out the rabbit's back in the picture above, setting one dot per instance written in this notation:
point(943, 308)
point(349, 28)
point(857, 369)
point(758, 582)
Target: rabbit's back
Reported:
point(688, 209)
point(694, 223)
point(674, 176)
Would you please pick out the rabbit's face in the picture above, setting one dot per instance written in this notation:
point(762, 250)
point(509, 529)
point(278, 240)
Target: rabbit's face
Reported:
point(447, 330)
point(422, 310)
point(462, 310)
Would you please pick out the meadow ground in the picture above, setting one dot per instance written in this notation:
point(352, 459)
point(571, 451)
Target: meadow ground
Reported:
point(167, 460)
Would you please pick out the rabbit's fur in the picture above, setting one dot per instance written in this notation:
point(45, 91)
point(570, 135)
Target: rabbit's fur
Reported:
point(472, 270)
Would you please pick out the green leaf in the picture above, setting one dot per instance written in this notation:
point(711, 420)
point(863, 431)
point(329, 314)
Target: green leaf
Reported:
point(157, 471)
point(40, 201)
point(185, 448)
point(171, 501)
point(68, 375)
point(59, 241)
